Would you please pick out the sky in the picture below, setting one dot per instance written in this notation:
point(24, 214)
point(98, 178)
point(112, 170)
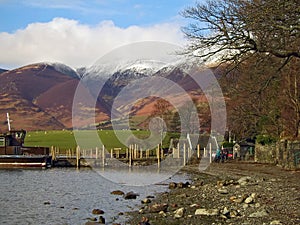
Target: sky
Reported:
point(78, 32)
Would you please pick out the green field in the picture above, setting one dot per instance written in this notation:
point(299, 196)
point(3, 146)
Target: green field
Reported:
point(90, 139)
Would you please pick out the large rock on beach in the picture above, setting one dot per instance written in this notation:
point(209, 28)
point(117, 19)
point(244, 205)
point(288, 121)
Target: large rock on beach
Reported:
point(179, 213)
point(131, 195)
point(97, 211)
point(156, 208)
point(117, 192)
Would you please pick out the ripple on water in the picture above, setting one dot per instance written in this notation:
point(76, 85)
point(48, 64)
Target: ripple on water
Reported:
point(65, 195)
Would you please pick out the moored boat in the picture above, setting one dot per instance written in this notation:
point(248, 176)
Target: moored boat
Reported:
point(14, 154)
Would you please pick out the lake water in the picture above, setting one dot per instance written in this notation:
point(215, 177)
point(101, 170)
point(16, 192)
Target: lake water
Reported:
point(68, 196)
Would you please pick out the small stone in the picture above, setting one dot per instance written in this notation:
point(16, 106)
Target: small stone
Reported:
point(174, 205)
point(150, 196)
point(240, 199)
point(146, 201)
point(245, 206)
point(183, 195)
point(172, 185)
point(155, 208)
point(261, 213)
point(275, 222)
point(257, 205)
point(47, 203)
point(232, 198)
point(162, 213)
point(97, 211)
point(225, 211)
point(101, 220)
point(207, 212)
point(117, 192)
point(249, 200)
point(253, 195)
point(234, 213)
point(223, 191)
point(141, 211)
point(179, 213)
point(244, 180)
point(194, 205)
point(180, 185)
point(220, 183)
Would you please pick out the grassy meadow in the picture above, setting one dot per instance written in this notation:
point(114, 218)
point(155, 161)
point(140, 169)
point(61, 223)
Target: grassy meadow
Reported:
point(66, 139)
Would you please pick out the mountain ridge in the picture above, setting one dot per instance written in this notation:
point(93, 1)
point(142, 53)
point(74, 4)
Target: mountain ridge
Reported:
point(41, 95)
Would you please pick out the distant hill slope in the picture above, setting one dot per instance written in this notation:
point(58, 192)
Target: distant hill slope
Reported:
point(3, 70)
point(40, 96)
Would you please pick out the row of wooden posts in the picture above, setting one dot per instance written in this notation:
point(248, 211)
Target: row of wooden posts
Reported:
point(131, 153)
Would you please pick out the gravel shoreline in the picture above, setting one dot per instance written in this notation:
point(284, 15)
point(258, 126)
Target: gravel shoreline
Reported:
point(227, 193)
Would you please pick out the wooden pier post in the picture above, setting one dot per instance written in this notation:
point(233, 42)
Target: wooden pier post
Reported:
point(158, 156)
point(118, 153)
point(189, 152)
point(141, 153)
point(178, 151)
point(111, 153)
point(204, 152)
point(184, 154)
point(135, 151)
point(96, 152)
point(198, 151)
point(130, 155)
point(103, 155)
point(53, 153)
point(78, 157)
point(126, 153)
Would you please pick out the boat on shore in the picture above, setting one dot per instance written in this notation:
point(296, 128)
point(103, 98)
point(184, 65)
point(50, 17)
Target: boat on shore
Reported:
point(14, 154)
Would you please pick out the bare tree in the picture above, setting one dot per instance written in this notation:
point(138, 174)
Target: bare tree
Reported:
point(260, 41)
point(233, 30)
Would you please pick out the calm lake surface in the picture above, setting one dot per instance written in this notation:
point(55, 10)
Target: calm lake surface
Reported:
point(68, 196)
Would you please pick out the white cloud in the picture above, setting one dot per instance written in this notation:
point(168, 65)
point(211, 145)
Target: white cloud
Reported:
point(68, 41)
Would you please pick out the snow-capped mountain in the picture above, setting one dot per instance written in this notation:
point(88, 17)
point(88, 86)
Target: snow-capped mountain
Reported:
point(145, 67)
point(62, 68)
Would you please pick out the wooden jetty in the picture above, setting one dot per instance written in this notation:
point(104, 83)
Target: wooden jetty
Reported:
point(132, 156)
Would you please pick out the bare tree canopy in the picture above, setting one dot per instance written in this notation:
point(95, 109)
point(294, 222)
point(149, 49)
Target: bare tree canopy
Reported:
point(232, 30)
point(260, 42)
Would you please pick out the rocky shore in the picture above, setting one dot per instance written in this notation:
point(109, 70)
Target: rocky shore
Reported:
point(226, 193)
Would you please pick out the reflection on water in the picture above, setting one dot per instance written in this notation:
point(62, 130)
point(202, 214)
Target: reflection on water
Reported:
point(67, 196)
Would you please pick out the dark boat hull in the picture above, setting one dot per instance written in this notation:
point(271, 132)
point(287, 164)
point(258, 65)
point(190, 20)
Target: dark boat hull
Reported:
point(8, 161)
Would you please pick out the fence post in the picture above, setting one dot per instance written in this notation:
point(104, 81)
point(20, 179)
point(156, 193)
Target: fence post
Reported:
point(210, 153)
